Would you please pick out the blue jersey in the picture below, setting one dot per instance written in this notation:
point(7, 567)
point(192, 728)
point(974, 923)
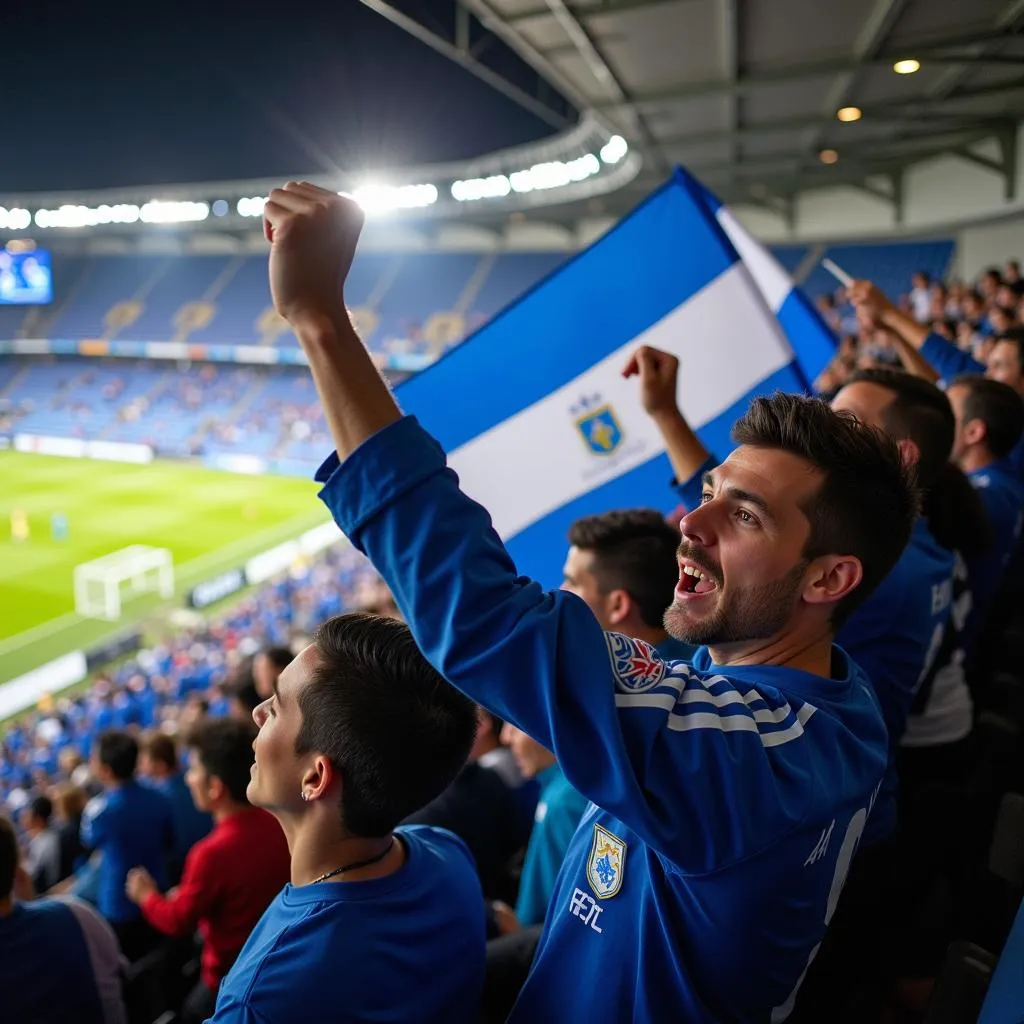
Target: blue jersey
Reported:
point(1004, 1001)
point(1002, 493)
point(559, 810)
point(59, 962)
point(405, 948)
point(190, 824)
point(949, 362)
point(895, 636)
point(133, 827)
point(729, 801)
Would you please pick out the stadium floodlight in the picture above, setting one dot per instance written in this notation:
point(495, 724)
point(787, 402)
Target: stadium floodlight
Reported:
point(158, 211)
point(555, 174)
point(220, 208)
point(251, 206)
point(377, 199)
point(98, 583)
point(71, 216)
point(614, 149)
point(497, 186)
point(14, 219)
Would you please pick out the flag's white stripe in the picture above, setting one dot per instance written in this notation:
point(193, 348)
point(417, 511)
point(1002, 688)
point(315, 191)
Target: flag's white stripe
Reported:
point(771, 278)
point(727, 343)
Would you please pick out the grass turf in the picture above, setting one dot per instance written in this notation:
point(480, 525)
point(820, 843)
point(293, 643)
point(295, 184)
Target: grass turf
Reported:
point(210, 521)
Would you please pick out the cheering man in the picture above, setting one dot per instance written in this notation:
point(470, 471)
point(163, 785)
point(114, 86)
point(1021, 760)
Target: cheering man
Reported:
point(731, 792)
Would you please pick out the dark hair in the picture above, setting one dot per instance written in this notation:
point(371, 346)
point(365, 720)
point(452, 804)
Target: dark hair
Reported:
point(119, 752)
point(1014, 336)
point(956, 515)
point(41, 807)
point(393, 727)
point(224, 749)
point(867, 502)
point(919, 412)
point(634, 550)
point(242, 687)
point(8, 857)
point(279, 657)
point(998, 406)
point(161, 747)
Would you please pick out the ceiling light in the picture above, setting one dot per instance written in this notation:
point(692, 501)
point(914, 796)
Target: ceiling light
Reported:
point(849, 113)
point(828, 156)
point(906, 67)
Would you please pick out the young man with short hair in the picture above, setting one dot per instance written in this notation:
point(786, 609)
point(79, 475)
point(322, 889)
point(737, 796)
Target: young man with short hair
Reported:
point(729, 793)
point(131, 825)
point(989, 424)
point(623, 565)
point(231, 875)
point(379, 922)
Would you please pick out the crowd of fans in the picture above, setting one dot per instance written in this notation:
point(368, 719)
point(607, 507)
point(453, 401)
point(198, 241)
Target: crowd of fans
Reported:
point(133, 801)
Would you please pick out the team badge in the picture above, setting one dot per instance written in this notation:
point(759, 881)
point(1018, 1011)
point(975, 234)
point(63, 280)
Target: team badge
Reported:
point(606, 864)
point(636, 664)
point(598, 425)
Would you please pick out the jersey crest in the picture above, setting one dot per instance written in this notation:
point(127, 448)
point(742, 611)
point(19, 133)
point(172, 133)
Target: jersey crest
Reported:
point(606, 863)
point(636, 664)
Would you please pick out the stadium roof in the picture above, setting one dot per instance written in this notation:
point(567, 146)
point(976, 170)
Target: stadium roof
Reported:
point(746, 92)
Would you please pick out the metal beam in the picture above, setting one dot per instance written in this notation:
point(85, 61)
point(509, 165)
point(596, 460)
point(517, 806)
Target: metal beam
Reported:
point(880, 115)
point(728, 16)
point(607, 7)
point(868, 44)
point(755, 79)
point(1007, 21)
point(1010, 154)
point(861, 161)
point(604, 75)
point(448, 49)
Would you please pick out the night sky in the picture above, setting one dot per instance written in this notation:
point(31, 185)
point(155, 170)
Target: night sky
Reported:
point(100, 95)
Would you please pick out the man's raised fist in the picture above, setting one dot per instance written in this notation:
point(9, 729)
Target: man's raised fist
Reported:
point(313, 235)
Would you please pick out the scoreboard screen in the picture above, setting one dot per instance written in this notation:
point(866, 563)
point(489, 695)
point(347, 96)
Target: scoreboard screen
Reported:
point(26, 278)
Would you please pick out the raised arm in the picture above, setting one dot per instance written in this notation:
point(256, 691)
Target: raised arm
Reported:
point(921, 352)
point(631, 733)
point(658, 373)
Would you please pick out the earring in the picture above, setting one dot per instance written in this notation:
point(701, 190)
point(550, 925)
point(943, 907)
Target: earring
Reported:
point(304, 795)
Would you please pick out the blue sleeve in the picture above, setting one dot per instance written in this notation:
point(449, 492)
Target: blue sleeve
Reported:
point(94, 823)
point(616, 716)
point(947, 359)
point(690, 491)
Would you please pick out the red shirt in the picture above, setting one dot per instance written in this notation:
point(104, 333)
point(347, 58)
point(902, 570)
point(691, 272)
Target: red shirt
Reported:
point(229, 879)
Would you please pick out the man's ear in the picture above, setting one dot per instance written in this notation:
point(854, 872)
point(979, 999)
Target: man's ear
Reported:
point(909, 452)
point(975, 431)
point(831, 578)
point(617, 606)
point(318, 778)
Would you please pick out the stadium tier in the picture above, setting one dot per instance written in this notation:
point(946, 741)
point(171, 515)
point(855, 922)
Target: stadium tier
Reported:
point(405, 302)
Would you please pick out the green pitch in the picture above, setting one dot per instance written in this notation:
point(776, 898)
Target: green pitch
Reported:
point(210, 521)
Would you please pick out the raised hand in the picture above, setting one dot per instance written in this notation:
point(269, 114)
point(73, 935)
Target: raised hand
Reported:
point(658, 372)
point(870, 300)
point(313, 235)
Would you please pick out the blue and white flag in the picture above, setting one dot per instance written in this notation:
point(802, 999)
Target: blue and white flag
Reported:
point(533, 410)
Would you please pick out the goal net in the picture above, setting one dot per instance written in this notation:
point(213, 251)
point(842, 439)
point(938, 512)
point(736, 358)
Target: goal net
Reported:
point(99, 584)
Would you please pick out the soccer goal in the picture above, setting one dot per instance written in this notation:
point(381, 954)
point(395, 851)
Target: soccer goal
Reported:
point(99, 584)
